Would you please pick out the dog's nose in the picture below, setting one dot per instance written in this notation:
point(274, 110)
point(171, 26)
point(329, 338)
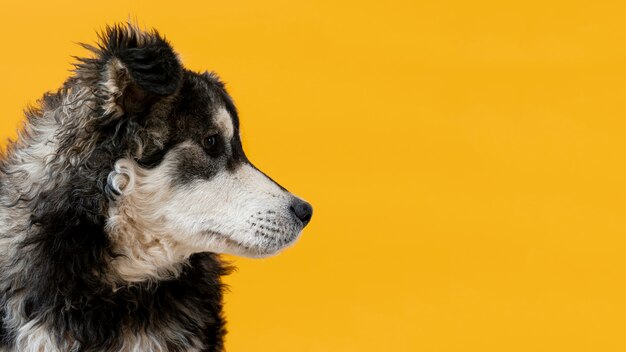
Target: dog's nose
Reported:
point(302, 210)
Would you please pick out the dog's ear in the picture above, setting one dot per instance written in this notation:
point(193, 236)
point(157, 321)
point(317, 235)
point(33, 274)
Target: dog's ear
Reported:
point(130, 70)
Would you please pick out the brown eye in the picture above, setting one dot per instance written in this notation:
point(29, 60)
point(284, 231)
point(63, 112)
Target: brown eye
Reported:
point(209, 142)
point(213, 145)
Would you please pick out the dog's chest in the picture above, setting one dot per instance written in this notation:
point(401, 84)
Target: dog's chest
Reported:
point(178, 315)
point(191, 334)
point(39, 340)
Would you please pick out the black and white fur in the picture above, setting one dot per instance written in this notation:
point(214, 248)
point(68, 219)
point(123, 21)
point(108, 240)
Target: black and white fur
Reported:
point(116, 199)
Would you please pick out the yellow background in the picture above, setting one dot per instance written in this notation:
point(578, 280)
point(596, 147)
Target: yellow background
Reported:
point(466, 161)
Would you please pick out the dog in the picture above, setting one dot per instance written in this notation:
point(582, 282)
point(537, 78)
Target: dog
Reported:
point(117, 199)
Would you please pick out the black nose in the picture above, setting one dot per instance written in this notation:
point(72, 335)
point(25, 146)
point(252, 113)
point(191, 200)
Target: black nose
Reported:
point(303, 210)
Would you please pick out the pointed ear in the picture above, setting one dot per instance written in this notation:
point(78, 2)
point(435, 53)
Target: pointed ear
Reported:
point(131, 70)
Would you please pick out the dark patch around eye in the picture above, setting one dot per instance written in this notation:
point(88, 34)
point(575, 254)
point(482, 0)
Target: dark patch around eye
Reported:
point(237, 156)
point(193, 164)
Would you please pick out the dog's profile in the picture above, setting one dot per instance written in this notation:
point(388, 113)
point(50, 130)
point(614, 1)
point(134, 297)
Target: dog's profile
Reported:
point(116, 200)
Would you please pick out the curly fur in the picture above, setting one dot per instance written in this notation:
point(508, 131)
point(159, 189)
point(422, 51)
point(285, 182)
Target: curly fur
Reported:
point(88, 258)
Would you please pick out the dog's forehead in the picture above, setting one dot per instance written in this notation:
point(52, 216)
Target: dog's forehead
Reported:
point(204, 104)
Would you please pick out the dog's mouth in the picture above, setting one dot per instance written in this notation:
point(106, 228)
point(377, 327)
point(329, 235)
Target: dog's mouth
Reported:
point(263, 241)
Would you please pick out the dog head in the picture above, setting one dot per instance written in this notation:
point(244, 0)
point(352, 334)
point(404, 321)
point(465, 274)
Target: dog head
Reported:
point(179, 181)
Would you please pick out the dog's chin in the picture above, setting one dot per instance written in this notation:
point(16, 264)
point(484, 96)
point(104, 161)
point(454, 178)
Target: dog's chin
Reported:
point(265, 250)
point(259, 248)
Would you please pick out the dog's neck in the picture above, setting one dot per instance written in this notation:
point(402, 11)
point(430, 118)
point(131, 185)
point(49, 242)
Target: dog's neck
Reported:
point(141, 252)
point(141, 256)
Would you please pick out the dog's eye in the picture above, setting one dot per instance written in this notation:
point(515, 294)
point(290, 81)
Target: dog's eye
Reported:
point(210, 143)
